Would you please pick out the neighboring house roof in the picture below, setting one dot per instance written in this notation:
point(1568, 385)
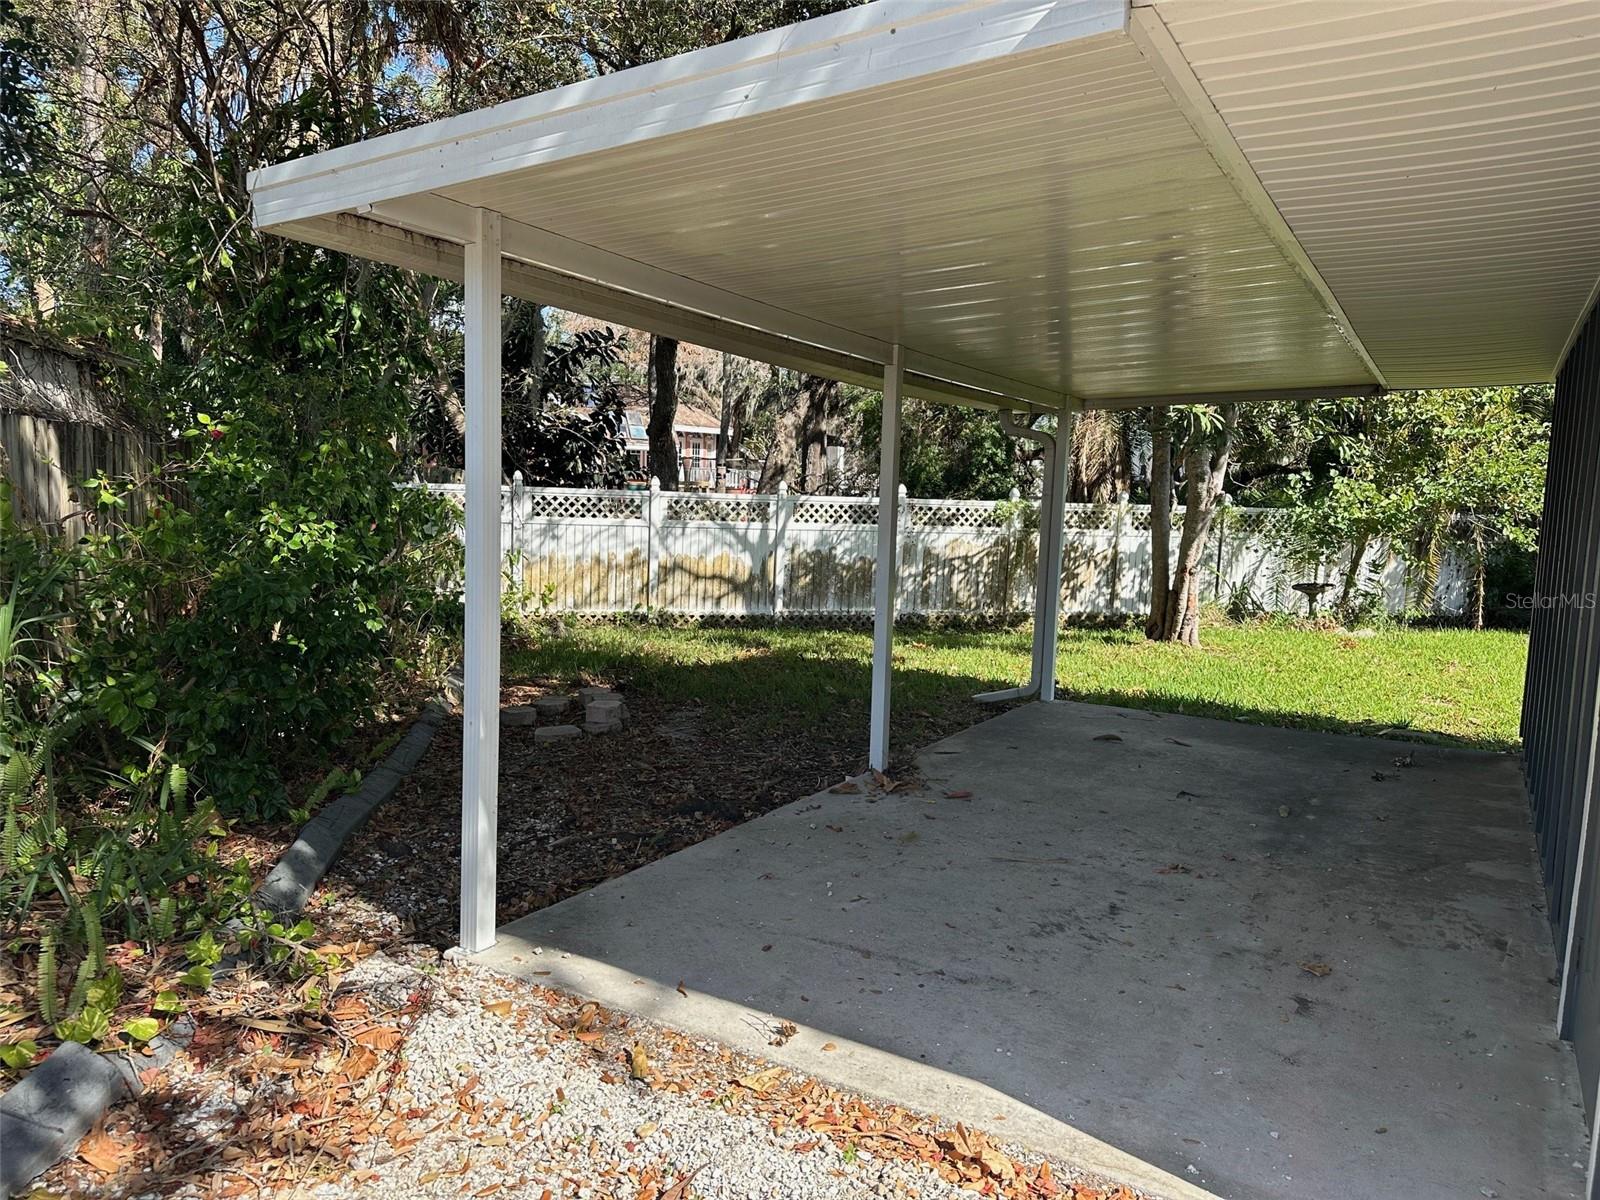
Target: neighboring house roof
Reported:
point(689, 420)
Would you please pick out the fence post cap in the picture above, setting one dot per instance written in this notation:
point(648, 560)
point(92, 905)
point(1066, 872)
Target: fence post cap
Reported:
point(655, 484)
point(516, 478)
point(1016, 494)
point(902, 491)
point(783, 487)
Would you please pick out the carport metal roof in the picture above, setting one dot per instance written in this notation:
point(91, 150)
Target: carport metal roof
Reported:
point(1042, 202)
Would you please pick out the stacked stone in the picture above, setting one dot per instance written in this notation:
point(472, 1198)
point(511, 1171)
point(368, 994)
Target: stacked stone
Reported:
point(603, 712)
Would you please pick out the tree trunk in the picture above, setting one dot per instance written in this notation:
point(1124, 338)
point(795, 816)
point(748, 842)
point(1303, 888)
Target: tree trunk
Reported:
point(1352, 572)
point(664, 412)
point(725, 424)
point(818, 398)
point(783, 454)
point(1205, 472)
point(1480, 575)
point(1160, 518)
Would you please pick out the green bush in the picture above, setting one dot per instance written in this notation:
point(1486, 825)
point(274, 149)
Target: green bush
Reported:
point(254, 622)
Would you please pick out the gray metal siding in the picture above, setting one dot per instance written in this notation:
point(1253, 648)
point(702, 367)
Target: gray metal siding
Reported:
point(1562, 695)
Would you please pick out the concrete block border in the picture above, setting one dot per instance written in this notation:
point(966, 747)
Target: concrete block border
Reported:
point(43, 1117)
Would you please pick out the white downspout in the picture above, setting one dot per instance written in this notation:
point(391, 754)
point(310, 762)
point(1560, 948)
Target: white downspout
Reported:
point(1041, 585)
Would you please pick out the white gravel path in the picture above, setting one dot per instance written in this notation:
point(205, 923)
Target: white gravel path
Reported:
point(561, 1117)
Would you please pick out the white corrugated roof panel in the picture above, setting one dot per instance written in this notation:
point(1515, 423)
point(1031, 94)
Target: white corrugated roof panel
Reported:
point(1438, 160)
point(1037, 198)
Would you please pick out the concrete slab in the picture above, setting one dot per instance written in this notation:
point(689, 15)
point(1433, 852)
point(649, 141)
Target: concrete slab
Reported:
point(1267, 962)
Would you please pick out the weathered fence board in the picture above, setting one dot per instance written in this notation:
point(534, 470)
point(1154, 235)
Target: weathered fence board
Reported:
point(605, 551)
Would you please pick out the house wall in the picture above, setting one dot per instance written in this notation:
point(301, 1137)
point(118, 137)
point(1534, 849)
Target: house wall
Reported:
point(1561, 703)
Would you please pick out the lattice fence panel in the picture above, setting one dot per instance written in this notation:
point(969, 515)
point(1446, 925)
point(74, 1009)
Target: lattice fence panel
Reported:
point(598, 551)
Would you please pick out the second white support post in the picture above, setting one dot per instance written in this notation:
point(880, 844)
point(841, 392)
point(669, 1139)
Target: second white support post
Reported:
point(480, 700)
point(1052, 540)
point(887, 570)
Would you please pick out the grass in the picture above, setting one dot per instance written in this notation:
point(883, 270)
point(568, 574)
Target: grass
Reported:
point(1455, 687)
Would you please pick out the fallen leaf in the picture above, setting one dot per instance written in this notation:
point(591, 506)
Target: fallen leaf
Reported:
point(1319, 969)
point(498, 1008)
point(683, 991)
point(638, 1063)
point(958, 795)
point(102, 1151)
point(829, 1046)
point(380, 1037)
point(646, 1129)
point(681, 1189)
point(844, 789)
point(761, 1081)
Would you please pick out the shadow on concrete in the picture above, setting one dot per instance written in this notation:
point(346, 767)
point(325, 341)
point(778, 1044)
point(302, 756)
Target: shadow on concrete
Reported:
point(1270, 962)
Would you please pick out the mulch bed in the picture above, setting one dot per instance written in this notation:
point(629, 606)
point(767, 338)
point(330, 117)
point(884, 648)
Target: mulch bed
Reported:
point(573, 813)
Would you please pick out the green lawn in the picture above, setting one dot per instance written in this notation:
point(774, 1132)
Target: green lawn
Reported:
point(1451, 686)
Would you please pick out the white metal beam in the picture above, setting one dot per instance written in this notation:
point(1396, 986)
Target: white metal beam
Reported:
point(433, 254)
point(834, 57)
point(887, 570)
point(480, 701)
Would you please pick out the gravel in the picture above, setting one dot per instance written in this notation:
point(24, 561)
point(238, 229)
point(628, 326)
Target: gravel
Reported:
point(562, 1113)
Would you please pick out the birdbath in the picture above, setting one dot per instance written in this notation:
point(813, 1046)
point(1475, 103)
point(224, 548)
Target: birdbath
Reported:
point(1311, 591)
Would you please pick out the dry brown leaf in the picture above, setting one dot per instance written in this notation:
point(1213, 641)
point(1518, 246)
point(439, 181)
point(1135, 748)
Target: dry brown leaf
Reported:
point(646, 1129)
point(681, 1189)
point(102, 1151)
point(380, 1037)
point(1319, 969)
point(498, 1008)
point(829, 1046)
point(761, 1081)
point(361, 1063)
point(682, 991)
point(638, 1063)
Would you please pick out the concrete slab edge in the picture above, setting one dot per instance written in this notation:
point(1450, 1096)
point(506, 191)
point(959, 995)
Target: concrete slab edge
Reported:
point(46, 1114)
point(851, 1065)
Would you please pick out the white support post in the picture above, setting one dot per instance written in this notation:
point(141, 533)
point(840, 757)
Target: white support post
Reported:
point(888, 564)
point(480, 748)
point(1052, 539)
point(782, 510)
point(513, 550)
point(653, 507)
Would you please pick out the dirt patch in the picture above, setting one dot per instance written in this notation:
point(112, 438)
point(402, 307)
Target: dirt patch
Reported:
point(574, 813)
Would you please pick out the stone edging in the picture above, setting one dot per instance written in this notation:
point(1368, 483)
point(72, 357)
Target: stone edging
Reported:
point(44, 1116)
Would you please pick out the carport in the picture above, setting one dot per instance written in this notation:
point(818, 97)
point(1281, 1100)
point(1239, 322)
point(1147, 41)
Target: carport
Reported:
point(1038, 207)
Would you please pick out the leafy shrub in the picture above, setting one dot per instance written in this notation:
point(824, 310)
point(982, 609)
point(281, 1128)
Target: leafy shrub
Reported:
point(88, 855)
point(253, 623)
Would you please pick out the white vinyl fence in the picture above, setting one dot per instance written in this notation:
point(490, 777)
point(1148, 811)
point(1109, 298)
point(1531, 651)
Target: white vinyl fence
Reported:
point(607, 551)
